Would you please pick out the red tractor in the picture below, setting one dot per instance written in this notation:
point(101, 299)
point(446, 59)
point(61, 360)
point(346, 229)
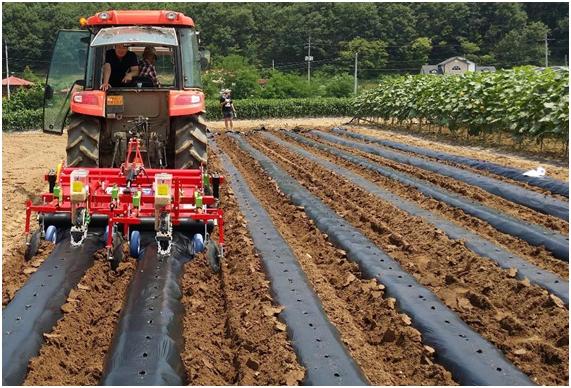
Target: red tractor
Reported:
point(99, 122)
point(137, 152)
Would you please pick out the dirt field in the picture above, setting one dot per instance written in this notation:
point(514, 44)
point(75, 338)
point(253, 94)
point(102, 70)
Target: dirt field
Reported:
point(233, 333)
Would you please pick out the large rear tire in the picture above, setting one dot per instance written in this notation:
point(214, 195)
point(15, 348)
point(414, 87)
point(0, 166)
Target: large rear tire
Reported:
point(83, 141)
point(190, 142)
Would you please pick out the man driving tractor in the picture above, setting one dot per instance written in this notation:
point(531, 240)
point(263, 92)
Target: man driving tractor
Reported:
point(121, 66)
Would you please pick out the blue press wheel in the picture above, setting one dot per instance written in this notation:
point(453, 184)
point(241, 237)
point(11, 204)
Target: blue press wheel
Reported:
point(135, 244)
point(197, 243)
point(51, 234)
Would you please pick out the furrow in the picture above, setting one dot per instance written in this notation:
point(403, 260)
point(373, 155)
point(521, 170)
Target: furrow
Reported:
point(533, 234)
point(478, 245)
point(471, 361)
point(35, 308)
point(232, 335)
point(379, 338)
point(552, 185)
point(508, 191)
point(486, 298)
point(315, 340)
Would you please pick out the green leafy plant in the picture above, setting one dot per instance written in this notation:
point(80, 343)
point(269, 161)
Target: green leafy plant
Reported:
point(522, 101)
point(284, 108)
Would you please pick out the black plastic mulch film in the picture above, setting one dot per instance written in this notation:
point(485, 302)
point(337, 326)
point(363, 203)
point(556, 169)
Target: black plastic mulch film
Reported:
point(553, 185)
point(470, 358)
point(481, 246)
point(148, 341)
point(531, 199)
point(35, 308)
point(535, 235)
point(314, 339)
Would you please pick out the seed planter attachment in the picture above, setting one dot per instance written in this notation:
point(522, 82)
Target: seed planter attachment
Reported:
point(130, 198)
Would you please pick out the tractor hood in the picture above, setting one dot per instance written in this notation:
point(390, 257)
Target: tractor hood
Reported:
point(159, 36)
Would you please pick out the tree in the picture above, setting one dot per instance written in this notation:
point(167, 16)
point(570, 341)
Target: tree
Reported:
point(470, 50)
point(419, 51)
point(339, 86)
point(29, 75)
point(372, 53)
point(240, 76)
point(282, 85)
point(522, 47)
point(262, 32)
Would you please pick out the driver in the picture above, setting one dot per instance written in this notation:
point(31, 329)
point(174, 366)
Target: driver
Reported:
point(120, 67)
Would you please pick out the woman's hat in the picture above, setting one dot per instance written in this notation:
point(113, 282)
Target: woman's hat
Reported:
point(149, 51)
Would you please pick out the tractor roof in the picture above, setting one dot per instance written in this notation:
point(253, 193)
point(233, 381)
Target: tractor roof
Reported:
point(153, 18)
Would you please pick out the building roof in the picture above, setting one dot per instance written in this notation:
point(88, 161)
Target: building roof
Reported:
point(554, 68)
point(485, 68)
point(429, 69)
point(455, 59)
point(15, 81)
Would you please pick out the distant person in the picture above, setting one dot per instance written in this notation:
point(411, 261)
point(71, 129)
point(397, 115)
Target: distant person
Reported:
point(121, 65)
point(147, 66)
point(228, 110)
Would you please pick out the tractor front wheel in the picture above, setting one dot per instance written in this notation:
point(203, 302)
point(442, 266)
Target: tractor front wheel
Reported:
point(190, 142)
point(83, 141)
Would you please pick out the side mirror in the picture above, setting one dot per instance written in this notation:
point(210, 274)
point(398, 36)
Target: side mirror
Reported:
point(204, 59)
point(48, 92)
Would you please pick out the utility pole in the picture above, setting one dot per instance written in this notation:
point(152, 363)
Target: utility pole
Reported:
point(356, 59)
point(308, 59)
point(273, 67)
point(565, 60)
point(7, 71)
point(546, 51)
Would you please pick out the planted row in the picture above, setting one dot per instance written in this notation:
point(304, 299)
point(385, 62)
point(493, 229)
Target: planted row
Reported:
point(283, 108)
point(26, 119)
point(522, 101)
point(22, 120)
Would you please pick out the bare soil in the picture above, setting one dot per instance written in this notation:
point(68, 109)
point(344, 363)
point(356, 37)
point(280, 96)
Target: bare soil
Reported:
point(536, 255)
point(231, 327)
point(18, 271)
point(74, 352)
point(556, 168)
point(493, 201)
point(22, 179)
point(486, 297)
point(232, 331)
point(380, 339)
point(314, 122)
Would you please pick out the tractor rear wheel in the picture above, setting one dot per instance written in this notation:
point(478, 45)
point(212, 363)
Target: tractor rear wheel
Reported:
point(83, 141)
point(190, 142)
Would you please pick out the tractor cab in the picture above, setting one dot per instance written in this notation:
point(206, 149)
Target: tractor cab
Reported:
point(101, 123)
